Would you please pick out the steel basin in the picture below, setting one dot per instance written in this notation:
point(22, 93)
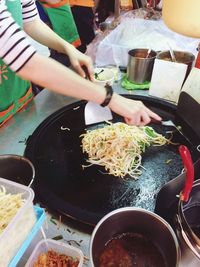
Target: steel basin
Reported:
point(135, 220)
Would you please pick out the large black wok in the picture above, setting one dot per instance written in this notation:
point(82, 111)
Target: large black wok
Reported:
point(87, 195)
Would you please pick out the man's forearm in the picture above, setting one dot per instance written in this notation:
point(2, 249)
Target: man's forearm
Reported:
point(40, 32)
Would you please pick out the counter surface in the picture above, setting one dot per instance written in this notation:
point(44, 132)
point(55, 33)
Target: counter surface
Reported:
point(13, 136)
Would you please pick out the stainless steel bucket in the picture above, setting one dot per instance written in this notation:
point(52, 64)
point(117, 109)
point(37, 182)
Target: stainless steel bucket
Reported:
point(140, 65)
point(140, 221)
point(17, 168)
point(188, 228)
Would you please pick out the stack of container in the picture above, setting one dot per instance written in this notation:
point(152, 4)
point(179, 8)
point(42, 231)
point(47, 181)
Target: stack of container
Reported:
point(18, 235)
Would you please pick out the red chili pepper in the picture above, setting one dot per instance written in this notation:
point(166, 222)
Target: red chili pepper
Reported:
point(189, 170)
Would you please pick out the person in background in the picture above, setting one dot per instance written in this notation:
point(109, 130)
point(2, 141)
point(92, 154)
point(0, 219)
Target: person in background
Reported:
point(105, 9)
point(83, 13)
point(20, 63)
point(58, 16)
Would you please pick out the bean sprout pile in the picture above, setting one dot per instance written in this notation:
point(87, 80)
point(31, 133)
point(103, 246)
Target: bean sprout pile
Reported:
point(118, 147)
point(9, 206)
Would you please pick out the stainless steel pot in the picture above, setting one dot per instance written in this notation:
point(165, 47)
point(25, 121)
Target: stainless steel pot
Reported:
point(181, 57)
point(188, 227)
point(135, 220)
point(140, 65)
point(17, 168)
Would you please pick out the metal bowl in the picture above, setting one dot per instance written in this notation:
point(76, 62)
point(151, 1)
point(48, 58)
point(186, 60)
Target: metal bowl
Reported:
point(180, 56)
point(17, 168)
point(140, 221)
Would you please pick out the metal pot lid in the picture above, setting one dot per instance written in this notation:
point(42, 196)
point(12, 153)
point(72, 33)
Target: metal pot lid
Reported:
point(87, 195)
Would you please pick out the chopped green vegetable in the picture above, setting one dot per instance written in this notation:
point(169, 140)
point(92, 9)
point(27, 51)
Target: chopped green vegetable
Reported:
point(150, 131)
point(142, 146)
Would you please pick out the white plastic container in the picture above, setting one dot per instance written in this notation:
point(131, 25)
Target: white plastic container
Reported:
point(44, 245)
point(19, 227)
point(105, 76)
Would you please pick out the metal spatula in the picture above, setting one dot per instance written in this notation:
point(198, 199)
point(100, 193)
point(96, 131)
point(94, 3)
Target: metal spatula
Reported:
point(94, 113)
point(170, 123)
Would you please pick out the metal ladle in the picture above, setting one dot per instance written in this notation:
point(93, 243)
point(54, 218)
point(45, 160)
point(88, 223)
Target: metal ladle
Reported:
point(172, 53)
point(148, 53)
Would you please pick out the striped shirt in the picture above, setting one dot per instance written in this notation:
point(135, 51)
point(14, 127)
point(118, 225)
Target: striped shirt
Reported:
point(15, 48)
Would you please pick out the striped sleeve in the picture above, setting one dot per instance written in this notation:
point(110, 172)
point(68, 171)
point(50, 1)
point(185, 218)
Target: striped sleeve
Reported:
point(29, 10)
point(15, 49)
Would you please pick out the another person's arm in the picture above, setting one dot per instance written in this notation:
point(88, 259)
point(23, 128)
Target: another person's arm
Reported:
point(40, 32)
point(22, 58)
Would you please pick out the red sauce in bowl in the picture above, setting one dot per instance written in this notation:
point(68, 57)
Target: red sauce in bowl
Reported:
point(131, 250)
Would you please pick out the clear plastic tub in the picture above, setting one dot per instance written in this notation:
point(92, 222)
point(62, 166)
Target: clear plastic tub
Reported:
point(19, 227)
point(44, 245)
point(40, 214)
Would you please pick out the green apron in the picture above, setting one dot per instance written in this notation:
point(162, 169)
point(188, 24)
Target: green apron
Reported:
point(14, 92)
point(62, 21)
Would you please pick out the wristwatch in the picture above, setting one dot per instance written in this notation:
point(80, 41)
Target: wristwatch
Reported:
point(109, 94)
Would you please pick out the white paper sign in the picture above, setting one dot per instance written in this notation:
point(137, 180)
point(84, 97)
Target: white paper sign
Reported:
point(192, 84)
point(167, 79)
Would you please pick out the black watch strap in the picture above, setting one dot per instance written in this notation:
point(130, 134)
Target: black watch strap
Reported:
point(109, 94)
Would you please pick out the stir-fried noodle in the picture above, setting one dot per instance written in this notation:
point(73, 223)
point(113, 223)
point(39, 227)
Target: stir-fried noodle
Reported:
point(118, 147)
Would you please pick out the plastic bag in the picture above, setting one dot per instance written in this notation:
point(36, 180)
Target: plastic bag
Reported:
point(140, 33)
